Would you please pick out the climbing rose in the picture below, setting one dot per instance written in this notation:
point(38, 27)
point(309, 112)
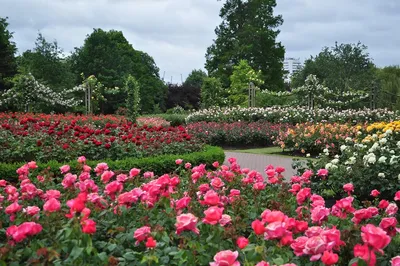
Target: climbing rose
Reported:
point(226, 258)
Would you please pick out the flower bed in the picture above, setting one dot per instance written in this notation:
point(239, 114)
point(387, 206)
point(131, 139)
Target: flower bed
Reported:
point(62, 138)
point(237, 134)
point(314, 137)
point(370, 161)
point(229, 216)
point(291, 115)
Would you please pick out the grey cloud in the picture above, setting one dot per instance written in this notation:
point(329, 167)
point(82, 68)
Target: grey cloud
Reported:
point(177, 32)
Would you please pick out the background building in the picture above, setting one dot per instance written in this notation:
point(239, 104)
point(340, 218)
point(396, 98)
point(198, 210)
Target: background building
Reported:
point(291, 66)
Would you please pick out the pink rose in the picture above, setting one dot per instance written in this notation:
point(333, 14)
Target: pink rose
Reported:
point(217, 183)
point(322, 172)
point(375, 237)
point(302, 195)
point(298, 245)
point(275, 230)
point(263, 263)
point(226, 219)
point(182, 203)
point(141, 233)
point(178, 161)
point(242, 242)
point(215, 164)
point(148, 175)
point(329, 258)
point(188, 165)
point(186, 222)
point(225, 258)
point(64, 169)
point(258, 227)
point(383, 204)
point(375, 193)
point(349, 187)
point(31, 210)
point(82, 159)
point(106, 176)
point(52, 205)
point(397, 196)
point(315, 246)
point(213, 215)
point(69, 180)
point(211, 198)
point(395, 261)
point(134, 172)
point(391, 209)
point(319, 214)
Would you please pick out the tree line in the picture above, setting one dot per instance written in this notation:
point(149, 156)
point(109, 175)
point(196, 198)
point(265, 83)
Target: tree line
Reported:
point(244, 51)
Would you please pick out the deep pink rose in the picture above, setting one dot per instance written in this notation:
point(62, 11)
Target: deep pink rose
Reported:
point(374, 236)
point(213, 215)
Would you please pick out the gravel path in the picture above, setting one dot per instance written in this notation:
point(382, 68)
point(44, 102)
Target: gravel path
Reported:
point(258, 162)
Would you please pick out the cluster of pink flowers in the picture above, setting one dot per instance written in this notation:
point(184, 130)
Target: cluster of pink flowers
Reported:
point(207, 201)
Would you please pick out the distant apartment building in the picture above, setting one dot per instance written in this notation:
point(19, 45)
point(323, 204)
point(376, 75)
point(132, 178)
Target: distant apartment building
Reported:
point(291, 66)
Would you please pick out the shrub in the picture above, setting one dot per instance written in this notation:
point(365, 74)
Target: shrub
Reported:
point(291, 115)
point(368, 162)
point(30, 138)
point(314, 137)
point(157, 164)
point(228, 216)
point(237, 134)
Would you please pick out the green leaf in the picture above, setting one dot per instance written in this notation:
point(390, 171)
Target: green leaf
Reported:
point(75, 253)
point(130, 256)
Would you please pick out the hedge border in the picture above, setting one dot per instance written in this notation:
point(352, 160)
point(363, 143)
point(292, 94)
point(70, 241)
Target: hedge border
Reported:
point(158, 164)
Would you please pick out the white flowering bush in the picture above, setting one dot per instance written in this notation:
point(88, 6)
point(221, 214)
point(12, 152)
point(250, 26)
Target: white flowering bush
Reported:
point(371, 161)
point(279, 114)
point(28, 93)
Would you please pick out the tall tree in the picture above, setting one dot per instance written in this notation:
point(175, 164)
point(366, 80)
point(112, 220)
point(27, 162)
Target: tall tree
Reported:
point(8, 49)
point(111, 58)
point(47, 63)
point(389, 90)
point(342, 68)
point(248, 32)
point(195, 78)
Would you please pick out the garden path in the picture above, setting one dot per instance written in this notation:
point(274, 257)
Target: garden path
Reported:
point(258, 162)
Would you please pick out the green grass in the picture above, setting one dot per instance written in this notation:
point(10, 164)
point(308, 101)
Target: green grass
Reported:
point(269, 151)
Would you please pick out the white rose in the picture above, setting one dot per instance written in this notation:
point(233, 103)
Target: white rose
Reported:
point(382, 159)
point(383, 141)
point(343, 147)
point(335, 161)
point(381, 175)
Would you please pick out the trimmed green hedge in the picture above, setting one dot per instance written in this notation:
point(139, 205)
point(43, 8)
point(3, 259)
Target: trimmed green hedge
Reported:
point(159, 164)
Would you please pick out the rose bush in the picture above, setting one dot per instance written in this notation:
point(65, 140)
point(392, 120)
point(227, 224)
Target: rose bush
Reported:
point(238, 133)
point(292, 115)
point(45, 137)
point(314, 137)
point(229, 216)
point(368, 161)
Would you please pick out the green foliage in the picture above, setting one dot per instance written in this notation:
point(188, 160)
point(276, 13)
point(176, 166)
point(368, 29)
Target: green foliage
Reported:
point(212, 93)
point(341, 68)
point(195, 78)
point(248, 32)
point(47, 64)
point(158, 164)
point(241, 77)
point(8, 49)
point(111, 58)
point(133, 98)
point(389, 93)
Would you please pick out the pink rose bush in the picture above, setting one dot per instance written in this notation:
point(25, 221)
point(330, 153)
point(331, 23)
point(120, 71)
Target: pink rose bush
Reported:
point(226, 216)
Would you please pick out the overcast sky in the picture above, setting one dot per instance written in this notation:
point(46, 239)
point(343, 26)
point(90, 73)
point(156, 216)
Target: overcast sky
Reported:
point(177, 32)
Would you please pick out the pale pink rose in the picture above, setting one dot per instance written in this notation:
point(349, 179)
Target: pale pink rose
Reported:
point(226, 258)
point(391, 209)
point(275, 230)
point(186, 222)
point(142, 233)
point(226, 219)
point(395, 261)
point(65, 168)
point(315, 246)
point(148, 175)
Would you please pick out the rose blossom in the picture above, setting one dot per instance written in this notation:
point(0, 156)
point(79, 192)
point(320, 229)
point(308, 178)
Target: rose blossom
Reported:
point(141, 233)
point(242, 242)
point(213, 215)
point(374, 237)
point(186, 222)
point(375, 193)
point(226, 258)
point(395, 261)
point(391, 209)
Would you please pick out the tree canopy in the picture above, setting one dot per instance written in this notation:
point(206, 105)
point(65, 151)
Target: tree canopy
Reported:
point(111, 58)
point(195, 78)
point(248, 32)
point(8, 66)
point(47, 63)
point(341, 68)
